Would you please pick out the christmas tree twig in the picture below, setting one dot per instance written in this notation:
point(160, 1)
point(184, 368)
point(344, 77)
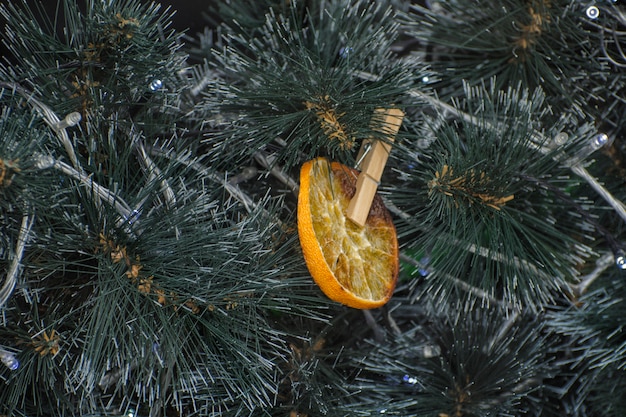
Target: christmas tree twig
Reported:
point(504, 330)
point(268, 162)
point(154, 174)
point(602, 264)
point(435, 102)
point(479, 250)
point(617, 205)
point(123, 209)
point(472, 248)
point(234, 190)
point(395, 209)
point(246, 174)
point(379, 333)
point(51, 119)
point(579, 170)
point(499, 257)
point(464, 285)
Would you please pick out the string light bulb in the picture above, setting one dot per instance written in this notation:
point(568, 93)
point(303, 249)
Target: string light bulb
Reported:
point(561, 138)
point(155, 85)
point(620, 259)
point(592, 12)
point(344, 52)
point(600, 140)
point(9, 359)
point(72, 119)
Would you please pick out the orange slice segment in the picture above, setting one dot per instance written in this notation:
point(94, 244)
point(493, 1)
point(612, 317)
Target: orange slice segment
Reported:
point(353, 265)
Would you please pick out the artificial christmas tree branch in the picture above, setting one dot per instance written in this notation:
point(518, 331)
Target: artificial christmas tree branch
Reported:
point(603, 263)
point(578, 169)
point(471, 165)
point(124, 210)
point(480, 294)
point(51, 119)
point(269, 162)
point(249, 203)
point(162, 274)
point(155, 174)
point(617, 205)
point(473, 248)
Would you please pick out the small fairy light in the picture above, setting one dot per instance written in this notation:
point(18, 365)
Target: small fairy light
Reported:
point(431, 351)
point(600, 140)
point(424, 143)
point(130, 413)
point(425, 79)
point(592, 12)
point(132, 217)
point(620, 259)
point(156, 85)
point(423, 269)
point(409, 379)
point(561, 138)
point(70, 120)
point(44, 161)
point(344, 52)
point(9, 359)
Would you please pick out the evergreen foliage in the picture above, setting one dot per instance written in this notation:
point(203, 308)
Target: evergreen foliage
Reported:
point(296, 77)
point(148, 203)
point(465, 361)
point(536, 43)
point(476, 204)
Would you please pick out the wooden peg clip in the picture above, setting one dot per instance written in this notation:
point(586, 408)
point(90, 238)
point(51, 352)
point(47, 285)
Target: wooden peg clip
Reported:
point(374, 154)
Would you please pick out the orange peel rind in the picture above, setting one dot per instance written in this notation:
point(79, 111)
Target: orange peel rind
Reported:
point(353, 265)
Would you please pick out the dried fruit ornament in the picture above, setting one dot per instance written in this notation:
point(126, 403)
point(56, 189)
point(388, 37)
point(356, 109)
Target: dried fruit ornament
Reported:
point(356, 266)
point(353, 259)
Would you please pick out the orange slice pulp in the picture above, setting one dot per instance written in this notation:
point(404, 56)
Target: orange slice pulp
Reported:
point(353, 265)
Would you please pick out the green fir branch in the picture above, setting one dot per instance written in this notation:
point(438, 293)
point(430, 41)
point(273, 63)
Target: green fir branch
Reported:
point(467, 361)
point(147, 209)
point(468, 191)
point(539, 43)
point(295, 80)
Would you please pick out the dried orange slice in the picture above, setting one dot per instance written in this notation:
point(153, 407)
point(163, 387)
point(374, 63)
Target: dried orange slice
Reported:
point(353, 265)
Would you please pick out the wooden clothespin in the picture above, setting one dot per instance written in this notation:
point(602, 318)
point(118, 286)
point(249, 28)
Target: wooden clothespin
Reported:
point(374, 154)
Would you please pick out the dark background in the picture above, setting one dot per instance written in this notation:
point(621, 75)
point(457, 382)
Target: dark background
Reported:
point(191, 15)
